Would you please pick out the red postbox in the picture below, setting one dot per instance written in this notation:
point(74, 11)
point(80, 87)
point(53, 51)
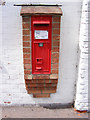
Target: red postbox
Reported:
point(41, 42)
point(41, 27)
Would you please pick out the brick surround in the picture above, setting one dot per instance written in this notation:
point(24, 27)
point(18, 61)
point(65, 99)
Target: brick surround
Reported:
point(41, 85)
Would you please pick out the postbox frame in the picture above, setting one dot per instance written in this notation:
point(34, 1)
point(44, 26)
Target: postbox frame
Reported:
point(45, 20)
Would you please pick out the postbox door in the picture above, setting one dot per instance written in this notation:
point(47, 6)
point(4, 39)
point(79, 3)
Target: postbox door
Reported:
point(41, 44)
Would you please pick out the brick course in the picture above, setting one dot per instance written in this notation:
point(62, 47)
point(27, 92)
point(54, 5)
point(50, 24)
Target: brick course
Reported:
point(26, 55)
point(26, 19)
point(26, 38)
point(26, 44)
point(41, 95)
point(27, 61)
point(27, 66)
point(26, 25)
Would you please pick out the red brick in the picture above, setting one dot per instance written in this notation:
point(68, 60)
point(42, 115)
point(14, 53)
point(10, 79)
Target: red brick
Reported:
point(49, 91)
point(56, 37)
point(26, 38)
point(26, 32)
point(54, 85)
point(40, 85)
point(40, 81)
point(26, 44)
point(33, 85)
point(26, 19)
point(26, 50)
point(55, 60)
point(47, 81)
point(56, 31)
point(26, 25)
point(55, 49)
point(26, 66)
point(56, 25)
point(55, 55)
point(26, 61)
point(26, 55)
point(54, 71)
point(27, 86)
point(56, 43)
point(45, 88)
point(48, 84)
point(41, 95)
point(26, 71)
point(39, 88)
point(56, 19)
point(54, 81)
point(34, 81)
point(28, 81)
point(25, 76)
point(34, 91)
point(41, 77)
point(55, 66)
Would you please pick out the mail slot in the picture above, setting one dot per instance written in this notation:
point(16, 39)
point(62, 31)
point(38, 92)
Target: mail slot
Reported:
point(41, 27)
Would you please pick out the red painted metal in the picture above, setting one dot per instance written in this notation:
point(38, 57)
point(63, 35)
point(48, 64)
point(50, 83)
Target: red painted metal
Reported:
point(41, 22)
point(41, 46)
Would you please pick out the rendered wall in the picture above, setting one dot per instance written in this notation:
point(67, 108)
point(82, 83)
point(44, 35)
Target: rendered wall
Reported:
point(81, 102)
point(12, 86)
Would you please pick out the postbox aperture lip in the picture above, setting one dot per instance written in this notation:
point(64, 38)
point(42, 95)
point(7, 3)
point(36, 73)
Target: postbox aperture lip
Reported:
point(41, 22)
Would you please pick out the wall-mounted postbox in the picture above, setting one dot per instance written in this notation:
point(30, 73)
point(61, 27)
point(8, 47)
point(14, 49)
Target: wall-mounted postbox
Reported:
point(41, 28)
point(41, 41)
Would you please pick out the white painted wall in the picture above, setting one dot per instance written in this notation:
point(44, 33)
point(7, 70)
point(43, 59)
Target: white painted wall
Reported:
point(11, 55)
point(81, 102)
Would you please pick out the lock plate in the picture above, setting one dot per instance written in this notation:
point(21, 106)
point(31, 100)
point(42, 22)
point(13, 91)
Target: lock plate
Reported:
point(41, 34)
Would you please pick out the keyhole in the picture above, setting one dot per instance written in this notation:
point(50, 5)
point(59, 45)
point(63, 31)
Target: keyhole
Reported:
point(37, 60)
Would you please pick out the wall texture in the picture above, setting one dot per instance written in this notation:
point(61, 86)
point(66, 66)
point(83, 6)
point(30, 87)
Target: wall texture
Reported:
point(12, 86)
point(81, 102)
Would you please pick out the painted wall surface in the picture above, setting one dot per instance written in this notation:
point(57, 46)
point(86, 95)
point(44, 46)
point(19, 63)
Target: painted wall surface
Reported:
point(81, 102)
point(12, 86)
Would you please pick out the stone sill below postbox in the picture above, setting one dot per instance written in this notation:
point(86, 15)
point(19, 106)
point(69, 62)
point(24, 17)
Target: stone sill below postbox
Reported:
point(41, 85)
point(52, 76)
